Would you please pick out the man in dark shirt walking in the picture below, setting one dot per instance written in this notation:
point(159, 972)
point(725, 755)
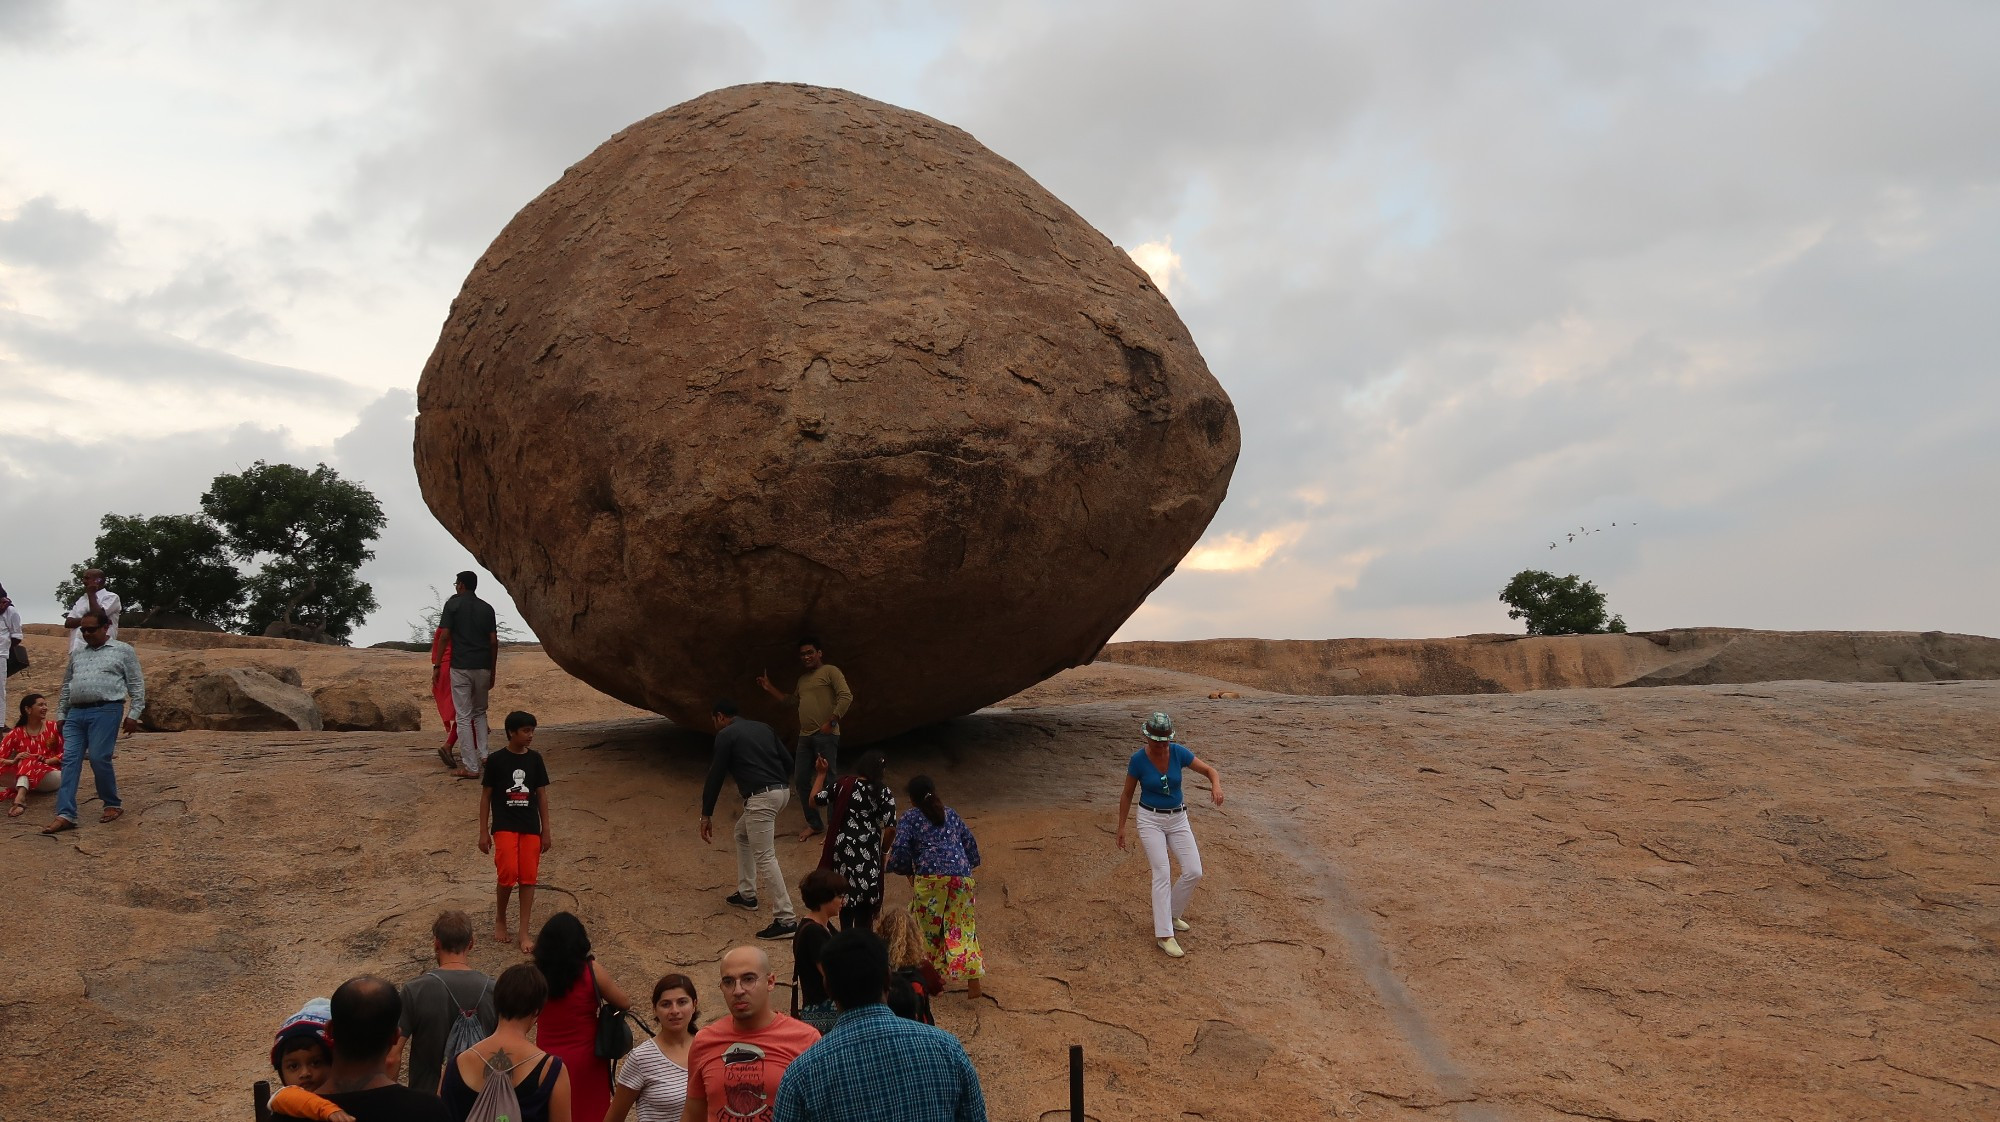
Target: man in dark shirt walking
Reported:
point(474, 631)
point(749, 752)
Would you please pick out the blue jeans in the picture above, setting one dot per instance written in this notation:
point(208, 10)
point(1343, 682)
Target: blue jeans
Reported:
point(92, 732)
point(814, 745)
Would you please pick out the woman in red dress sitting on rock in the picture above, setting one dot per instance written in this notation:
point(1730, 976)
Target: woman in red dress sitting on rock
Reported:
point(31, 754)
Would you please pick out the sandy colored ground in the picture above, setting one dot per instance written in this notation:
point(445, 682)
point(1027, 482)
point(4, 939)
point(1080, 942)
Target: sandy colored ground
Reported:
point(1686, 903)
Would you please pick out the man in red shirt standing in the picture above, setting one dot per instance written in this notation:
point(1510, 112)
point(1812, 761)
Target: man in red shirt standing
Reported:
point(734, 1065)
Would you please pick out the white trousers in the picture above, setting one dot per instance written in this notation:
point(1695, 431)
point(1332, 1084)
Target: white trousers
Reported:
point(1159, 833)
point(468, 697)
point(757, 850)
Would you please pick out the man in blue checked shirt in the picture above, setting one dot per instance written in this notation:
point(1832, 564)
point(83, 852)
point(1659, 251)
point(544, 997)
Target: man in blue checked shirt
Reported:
point(102, 693)
point(875, 1066)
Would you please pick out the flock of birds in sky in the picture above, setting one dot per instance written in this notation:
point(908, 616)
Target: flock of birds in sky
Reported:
point(1582, 532)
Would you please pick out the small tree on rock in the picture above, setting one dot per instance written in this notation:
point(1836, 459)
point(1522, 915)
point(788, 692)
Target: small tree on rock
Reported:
point(1555, 605)
point(169, 564)
point(311, 530)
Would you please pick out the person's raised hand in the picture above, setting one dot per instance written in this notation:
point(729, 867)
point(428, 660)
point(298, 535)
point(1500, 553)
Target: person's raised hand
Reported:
point(485, 843)
point(707, 831)
point(819, 765)
point(764, 679)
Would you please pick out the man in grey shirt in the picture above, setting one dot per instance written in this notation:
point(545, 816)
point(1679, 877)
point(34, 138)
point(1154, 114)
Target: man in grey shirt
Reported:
point(434, 1001)
point(751, 753)
point(474, 631)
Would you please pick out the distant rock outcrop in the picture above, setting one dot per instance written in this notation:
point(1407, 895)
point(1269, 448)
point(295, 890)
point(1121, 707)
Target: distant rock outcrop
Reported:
point(164, 621)
point(786, 360)
point(1691, 656)
point(368, 704)
point(183, 694)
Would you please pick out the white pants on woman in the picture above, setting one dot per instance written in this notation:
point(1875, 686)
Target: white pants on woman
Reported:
point(1159, 833)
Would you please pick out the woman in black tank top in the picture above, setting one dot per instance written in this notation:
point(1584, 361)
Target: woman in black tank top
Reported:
point(541, 1083)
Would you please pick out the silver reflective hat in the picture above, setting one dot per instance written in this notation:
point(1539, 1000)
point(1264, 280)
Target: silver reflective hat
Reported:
point(1159, 726)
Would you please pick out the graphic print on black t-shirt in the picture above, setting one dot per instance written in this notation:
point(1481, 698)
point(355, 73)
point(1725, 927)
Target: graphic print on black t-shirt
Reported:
point(511, 779)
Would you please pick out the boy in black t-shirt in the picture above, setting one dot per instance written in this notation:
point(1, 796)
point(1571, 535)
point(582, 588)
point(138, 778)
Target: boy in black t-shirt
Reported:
point(514, 799)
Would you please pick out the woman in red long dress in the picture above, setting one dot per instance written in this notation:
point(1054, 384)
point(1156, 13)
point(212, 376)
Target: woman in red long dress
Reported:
point(30, 754)
point(568, 1028)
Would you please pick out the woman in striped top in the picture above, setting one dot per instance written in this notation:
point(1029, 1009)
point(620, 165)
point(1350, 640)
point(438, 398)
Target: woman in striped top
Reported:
point(654, 1077)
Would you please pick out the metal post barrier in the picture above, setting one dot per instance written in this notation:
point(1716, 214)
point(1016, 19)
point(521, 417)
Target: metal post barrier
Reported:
point(260, 1099)
point(1076, 1083)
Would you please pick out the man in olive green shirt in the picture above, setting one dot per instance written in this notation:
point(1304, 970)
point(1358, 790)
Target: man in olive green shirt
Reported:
point(823, 697)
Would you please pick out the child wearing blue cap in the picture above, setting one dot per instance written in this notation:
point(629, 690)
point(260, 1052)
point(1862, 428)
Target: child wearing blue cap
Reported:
point(302, 1055)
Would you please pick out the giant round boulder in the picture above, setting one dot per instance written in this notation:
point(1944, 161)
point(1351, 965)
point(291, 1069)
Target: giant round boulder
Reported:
point(784, 360)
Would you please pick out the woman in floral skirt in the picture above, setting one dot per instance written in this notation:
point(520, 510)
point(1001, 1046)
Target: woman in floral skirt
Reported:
point(937, 852)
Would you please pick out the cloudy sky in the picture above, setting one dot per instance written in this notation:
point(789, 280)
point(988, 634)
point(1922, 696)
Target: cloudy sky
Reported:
point(1477, 276)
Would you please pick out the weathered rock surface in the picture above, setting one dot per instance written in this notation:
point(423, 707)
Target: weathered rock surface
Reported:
point(1687, 656)
point(184, 694)
point(528, 680)
point(785, 360)
point(1681, 904)
point(368, 704)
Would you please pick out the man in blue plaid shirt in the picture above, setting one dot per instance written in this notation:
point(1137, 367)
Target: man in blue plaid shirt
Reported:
point(875, 1066)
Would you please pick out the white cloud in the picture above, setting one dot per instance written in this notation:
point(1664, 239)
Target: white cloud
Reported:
point(1236, 552)
point(1160, 262)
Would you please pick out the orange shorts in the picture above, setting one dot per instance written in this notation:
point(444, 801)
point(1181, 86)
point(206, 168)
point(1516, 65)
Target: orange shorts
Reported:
point(517, 857)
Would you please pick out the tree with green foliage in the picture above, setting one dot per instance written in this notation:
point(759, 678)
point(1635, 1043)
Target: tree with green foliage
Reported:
point(168, 564)
point(310, 530)
point(1555, 605)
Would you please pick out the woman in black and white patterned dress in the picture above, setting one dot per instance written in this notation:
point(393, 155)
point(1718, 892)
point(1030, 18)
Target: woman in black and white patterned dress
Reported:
point(861, 822)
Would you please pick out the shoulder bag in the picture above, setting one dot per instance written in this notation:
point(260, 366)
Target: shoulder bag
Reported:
point(614, 1036)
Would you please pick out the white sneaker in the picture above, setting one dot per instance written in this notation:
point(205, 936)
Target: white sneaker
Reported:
point(1180, 925)
point(1172, 946)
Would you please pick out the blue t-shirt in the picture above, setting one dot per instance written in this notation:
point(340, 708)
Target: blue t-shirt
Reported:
point(1161, 792)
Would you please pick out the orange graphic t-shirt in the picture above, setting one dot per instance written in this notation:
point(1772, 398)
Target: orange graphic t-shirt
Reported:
point(738, 1074)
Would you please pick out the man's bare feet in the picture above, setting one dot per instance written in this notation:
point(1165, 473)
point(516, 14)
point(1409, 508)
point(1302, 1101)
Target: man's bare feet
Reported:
point(466, 774)
point(527, 946)
point(501, 935)
point(808, 834)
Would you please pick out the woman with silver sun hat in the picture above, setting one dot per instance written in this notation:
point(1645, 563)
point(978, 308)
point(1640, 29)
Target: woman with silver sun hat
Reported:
point(1155, 773)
